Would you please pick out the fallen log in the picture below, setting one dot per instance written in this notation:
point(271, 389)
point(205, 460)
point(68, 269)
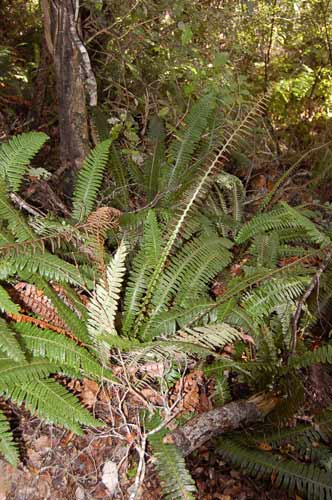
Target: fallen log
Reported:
point(201, 428)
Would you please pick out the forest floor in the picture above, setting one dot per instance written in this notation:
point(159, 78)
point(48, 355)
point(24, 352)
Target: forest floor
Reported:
point(58, 465)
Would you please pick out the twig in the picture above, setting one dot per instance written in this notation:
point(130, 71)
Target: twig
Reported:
point(24, 205)
point(303, 300)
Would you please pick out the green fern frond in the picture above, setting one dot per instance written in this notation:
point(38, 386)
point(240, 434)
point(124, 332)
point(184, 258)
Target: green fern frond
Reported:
point(60, 349)
point(8, 342)
point(188, 274)
point(121, 178)
point(191, 198)
point(52, 402)
point(322, 354)
point(15, 156)
point(7, 446)
point(218, 368)
point(181, 150)
point(104, 303)
point(264, 299)
point(89, 180)
point(17, 225)
point(46, 265)
point(212, 337)
point(175, 478)
point(282, 218)
point(22, 371)
point(308, 480)
point(142, 266)
point(6, 303)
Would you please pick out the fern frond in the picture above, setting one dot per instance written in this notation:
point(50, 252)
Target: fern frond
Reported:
point(17, 225)
point(121, 178)
point(308, 480)
point(46, 265)
point(7, 446)
point(76, 325)
point(9, 344)
point(19, 372)
point(212, 337)
point(15, 156)
point(192, 197)
point(60, 349)
point(52, 402)
point(322, 354)
point(175, 478)
point(104, 303)
point(142, 266)
point(181, 150)
point(6, 303)
point(188, 274)
point(264, 299)
point(89, 180)
point(279, 219)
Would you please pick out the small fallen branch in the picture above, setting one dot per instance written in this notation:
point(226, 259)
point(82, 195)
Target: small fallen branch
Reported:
point(229, 417)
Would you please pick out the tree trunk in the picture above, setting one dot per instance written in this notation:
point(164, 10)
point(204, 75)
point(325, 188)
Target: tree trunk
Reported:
point(60, 25)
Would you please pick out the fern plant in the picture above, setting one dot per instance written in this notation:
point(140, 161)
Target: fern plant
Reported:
point(153, 295)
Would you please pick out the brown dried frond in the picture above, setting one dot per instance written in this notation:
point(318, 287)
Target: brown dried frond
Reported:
point(97, 224)
point(103, 219)
point(34, 300)
point(23, 318)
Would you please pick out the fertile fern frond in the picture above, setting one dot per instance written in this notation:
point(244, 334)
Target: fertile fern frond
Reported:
point(226, 202)
point(104, 303)
point(89, 180)
point(7, 446)
point(15, 156)
point(308, 480)
point(52, 402)
point(60, 349)
point(8, 342)
point(175, 479)
point(181, 150)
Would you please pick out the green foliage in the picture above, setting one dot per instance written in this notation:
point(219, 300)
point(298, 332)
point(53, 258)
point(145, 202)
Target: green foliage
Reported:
point(16, 155)
point(308, 480)
point(89, 180)
point(7, 447)
point(176, 480)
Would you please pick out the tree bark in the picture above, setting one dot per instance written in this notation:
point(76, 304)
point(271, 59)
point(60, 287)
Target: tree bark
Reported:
point(230, 417)
point(60, 26)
